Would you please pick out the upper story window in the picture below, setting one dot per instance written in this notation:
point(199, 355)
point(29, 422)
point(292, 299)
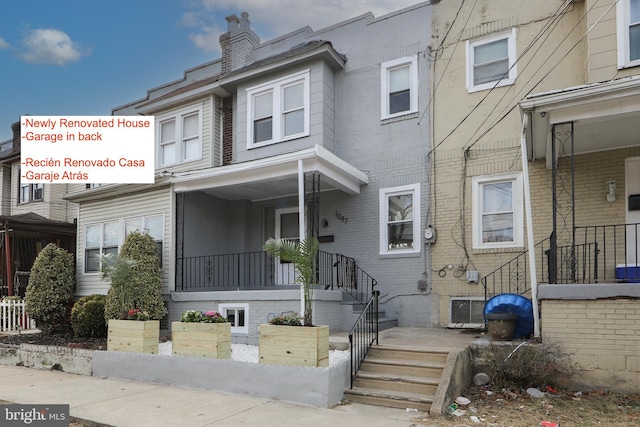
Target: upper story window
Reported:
point(628, 21)
point(179, 136)
point(151, 224)
point(278, 110)
point(399, 87)
point(498, 211)
point(491, 61)
point(31, 193)
point(400, 219)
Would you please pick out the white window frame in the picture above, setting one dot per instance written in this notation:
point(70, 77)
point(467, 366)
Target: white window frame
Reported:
point(623, 16)
point(518, 209)
point(180, 152)
point(276, 87)
point(101, 246)
point(144, 229)
point(28, 193)
point(385, 193)
point(453, 324)
point(511, 47)
point(224, 308)
point(385, 70)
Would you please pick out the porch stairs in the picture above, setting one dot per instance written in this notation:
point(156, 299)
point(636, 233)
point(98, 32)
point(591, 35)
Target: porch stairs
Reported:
point(351, 310)
point(399, 377)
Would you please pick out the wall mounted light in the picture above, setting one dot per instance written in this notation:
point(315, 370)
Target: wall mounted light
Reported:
point(611, 190)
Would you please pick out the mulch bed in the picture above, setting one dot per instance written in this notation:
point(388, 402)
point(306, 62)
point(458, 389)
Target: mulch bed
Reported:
point(62, 340)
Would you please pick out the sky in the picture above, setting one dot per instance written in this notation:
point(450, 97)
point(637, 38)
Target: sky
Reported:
point(79, 57)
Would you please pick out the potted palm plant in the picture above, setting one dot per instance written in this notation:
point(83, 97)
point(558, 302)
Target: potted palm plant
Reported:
point(285, 341)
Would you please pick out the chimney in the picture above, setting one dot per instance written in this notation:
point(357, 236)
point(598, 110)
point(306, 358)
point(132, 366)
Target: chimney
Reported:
point(15, 127)
point(237, 43)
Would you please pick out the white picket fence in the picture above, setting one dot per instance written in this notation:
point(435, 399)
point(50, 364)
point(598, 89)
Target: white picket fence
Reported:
point(13, 316)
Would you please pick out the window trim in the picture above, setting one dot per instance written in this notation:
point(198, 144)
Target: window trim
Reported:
point(222, 309)
point(276, 87)
point(511, 50)
point(453, 324)
point(178, 116)
point(101, 245)
point(385, 193)
point(623, 16)
point(518, 210)
point(385, 69)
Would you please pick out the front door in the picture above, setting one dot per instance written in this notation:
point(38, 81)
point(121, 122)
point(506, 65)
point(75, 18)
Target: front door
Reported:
point(632, 184)
point(286, 228)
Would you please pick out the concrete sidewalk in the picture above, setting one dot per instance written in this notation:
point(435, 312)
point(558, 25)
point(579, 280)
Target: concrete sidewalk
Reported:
point(123, 403)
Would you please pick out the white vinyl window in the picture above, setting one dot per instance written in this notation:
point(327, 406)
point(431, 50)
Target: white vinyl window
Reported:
point(466, 312)
point(151, 224)
point(238, 316)
point(99, 239)
point(491, 61)
point(400, 219)
point(399, 87)
point(31, 193)
point(498, 211)
point(278, 111)
point(179, 136)
point(628, 22)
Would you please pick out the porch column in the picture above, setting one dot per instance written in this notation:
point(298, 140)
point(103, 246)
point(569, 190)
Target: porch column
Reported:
point(7, 252)
point(529, 221)
point(301, 221)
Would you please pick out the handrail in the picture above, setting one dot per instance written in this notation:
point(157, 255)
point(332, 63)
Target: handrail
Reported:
point(363, 334)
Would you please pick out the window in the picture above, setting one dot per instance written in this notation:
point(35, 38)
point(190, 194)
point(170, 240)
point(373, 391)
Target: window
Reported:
point(497, 211)
point(399, 87)
point(179, 137)
point(238, 316)
point(31, 192)
point(94, 185)
point(151, 224)
point(491, 61)
point(628, 21)
point(400, 219)
point(99, 239)
point(278, 111)
point(466, 311)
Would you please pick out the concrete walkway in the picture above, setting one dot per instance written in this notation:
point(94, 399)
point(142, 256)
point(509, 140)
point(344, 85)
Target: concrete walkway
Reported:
point(125, 403)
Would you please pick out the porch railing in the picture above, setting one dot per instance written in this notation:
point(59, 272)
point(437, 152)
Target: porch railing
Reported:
point(259, 270)
point(363, 334)
point(600, 254)
point(13, 316)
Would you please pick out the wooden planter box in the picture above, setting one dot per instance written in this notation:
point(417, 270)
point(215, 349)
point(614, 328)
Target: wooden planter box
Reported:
point(294, 345)
point(135, 336)
point(211, 340)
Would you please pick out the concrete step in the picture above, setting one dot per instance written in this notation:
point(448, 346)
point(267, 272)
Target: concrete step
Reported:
point(397, 383)
point(402, 368)
point(382, 352)
point(393, 400)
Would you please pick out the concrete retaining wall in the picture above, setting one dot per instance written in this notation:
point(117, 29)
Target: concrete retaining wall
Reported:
point(71, 360)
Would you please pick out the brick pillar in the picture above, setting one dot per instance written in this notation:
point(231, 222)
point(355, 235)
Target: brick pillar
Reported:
point(227, 131)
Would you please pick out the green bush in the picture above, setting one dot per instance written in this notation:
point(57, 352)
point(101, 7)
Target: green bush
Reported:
point(87, 317)
point(50, 290)
point(136, 282)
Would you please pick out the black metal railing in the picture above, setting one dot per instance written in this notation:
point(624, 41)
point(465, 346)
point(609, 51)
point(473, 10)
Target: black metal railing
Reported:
point(363, 334)
point(258, 270)
point(600, 254)
point(514, 275)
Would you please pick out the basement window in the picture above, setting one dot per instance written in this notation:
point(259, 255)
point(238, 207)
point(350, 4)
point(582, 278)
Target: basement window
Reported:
point(238, 316)
point(466, 312)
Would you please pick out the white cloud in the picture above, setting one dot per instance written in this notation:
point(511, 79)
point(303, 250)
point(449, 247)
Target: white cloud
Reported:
point(4, 44)
point(276, 17)
point(50, 46)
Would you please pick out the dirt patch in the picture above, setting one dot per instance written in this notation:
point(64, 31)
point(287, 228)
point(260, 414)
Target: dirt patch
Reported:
point(55, 340)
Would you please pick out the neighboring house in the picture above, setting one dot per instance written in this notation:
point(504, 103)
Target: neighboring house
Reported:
point(558, 84)
point(319, 133)
point(31, 216)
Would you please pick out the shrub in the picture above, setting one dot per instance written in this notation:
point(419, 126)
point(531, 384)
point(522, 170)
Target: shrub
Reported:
point(136, 282)
point(530, 365)
point(196, 316)
point(50, 290)
point(87, 317)
point(291, 319)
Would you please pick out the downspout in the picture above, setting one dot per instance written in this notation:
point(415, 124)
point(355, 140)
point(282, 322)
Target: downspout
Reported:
point(7, 252)
point(529, 221)
point(301, 222)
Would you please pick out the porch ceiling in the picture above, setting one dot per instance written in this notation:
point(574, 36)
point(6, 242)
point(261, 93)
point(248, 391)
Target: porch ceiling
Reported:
point(605, 117)
point(273, 177)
